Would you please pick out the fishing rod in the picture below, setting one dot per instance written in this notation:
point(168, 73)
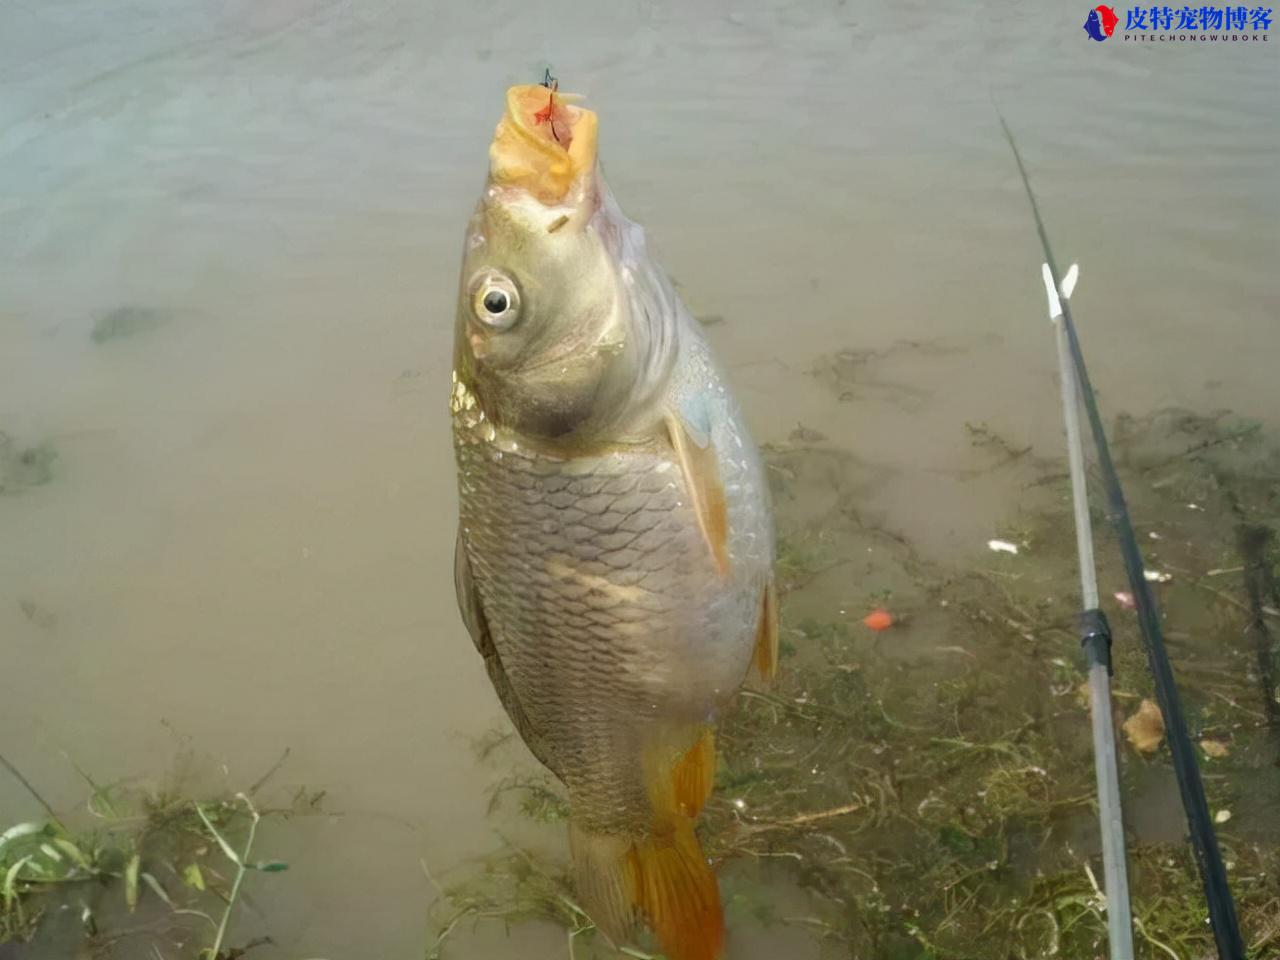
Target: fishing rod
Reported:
point(1095, 638)
point(1213, 875)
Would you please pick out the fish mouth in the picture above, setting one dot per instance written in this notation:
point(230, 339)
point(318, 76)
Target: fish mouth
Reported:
point(543, 144)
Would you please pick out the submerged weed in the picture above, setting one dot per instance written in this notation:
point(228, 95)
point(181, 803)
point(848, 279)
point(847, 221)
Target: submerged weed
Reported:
point(23, 467)
point(126, 321)
point(150, 867)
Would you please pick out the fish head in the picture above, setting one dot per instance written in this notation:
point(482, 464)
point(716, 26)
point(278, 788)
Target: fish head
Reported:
point(548, 336)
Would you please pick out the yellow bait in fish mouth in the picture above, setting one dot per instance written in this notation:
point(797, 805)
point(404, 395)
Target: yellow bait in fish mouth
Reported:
point(543, 143)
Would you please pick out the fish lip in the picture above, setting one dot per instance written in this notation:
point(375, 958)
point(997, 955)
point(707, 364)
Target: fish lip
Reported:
point(528, 151)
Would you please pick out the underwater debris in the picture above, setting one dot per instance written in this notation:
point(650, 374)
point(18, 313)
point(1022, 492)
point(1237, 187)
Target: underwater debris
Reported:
point(851, 374)
point(126, 321)
point(803, 434)
point(1214, 749)
point(981, 435)
point(1145, 728)
point(22, 467)
point(38, 614)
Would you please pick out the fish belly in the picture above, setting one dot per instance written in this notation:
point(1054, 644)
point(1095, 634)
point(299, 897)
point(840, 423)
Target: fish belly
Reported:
point(612, 623)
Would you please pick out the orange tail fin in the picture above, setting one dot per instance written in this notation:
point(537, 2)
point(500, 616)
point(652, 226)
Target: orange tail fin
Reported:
point(675, 888)
point(677, 893)
point(664, 876)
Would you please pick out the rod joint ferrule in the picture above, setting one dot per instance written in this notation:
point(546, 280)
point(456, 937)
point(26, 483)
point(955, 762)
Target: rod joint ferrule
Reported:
point(1095, 637)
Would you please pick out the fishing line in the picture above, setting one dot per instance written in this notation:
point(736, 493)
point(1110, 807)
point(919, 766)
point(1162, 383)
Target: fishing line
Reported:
point(1222, 911)
point(17, 774)
point(1253, 541)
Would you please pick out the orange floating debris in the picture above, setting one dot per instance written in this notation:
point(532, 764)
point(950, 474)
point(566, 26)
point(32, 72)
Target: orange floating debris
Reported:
point(879, 619)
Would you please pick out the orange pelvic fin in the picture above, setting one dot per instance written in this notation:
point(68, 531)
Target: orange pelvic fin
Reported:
point(694, 775)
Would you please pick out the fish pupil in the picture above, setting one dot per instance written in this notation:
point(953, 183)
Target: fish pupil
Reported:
point(495, 301)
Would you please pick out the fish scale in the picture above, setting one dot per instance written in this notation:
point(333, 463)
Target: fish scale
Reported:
point(551, 583)
point(592, 623)
point(586, 617)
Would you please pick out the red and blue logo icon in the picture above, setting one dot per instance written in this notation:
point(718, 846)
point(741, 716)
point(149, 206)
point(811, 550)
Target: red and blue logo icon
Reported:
point(1101, 23)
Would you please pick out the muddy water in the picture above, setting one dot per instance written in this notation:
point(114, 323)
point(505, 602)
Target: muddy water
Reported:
point(247, 540)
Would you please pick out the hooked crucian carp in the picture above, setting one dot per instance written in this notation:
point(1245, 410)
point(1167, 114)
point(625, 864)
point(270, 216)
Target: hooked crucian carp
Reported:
point(615, 546)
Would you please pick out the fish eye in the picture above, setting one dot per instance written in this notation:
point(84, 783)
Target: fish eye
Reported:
point(495, 301)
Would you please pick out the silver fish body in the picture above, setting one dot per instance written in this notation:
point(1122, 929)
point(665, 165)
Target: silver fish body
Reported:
point(615, 545)
point(611, 622)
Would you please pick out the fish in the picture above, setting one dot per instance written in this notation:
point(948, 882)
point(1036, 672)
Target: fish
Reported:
point(615, 547)
point(1101, 23)
point(1093, 26)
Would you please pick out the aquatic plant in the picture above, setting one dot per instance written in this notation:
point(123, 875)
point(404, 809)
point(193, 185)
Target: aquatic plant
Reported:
point(145, 868)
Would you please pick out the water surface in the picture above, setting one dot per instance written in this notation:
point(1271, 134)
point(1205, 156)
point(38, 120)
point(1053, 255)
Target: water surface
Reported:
point(247, 539)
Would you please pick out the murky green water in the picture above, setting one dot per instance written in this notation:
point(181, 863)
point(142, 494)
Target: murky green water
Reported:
point(229, 237)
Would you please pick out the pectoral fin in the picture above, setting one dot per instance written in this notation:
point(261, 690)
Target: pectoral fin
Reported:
point(702, 483)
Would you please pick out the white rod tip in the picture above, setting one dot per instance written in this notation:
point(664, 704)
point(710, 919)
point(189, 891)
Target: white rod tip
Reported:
point(1055, 305)
point(1069, 281)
